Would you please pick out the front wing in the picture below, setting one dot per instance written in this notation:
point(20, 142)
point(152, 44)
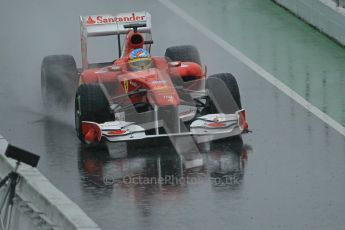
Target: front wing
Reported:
point(203, 129)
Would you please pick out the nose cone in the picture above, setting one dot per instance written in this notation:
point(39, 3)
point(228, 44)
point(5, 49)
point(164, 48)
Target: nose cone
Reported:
point(161, 89)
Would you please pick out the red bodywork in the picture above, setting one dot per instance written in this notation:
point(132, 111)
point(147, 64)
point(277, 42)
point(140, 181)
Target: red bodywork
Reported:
point(158, 79)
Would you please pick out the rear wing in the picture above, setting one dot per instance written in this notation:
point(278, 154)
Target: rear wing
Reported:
point(106, 24)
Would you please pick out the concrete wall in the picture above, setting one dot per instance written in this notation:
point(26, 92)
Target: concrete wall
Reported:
point(34, 189)
point(323, 14)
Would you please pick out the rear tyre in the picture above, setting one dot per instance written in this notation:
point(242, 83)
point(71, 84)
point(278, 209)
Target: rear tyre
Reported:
point(184, 53)
point(91, 104)
point(213, 86)
point(59, 80)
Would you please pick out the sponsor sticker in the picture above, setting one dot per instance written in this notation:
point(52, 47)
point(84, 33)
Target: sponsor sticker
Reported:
point(102, 19)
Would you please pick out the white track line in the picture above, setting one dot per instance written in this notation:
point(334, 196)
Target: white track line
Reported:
point(255, 67)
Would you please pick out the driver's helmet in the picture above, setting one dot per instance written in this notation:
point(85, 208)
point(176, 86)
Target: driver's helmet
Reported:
point(139, 59)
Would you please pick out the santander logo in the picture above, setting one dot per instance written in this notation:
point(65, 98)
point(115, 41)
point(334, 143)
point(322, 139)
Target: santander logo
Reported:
point(104, 20)
point(90, 20)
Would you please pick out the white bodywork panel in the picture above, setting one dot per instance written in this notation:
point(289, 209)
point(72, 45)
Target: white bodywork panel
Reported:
point(129, 129)
point(214, 123)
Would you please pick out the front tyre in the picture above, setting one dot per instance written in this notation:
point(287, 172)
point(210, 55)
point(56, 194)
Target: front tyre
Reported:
point(91, 104)
point(224, 94)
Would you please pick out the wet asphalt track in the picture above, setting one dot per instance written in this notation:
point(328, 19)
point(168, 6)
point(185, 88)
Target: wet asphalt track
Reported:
point(288, 174)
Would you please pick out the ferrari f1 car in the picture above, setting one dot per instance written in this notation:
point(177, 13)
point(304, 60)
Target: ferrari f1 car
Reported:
point(139, 95)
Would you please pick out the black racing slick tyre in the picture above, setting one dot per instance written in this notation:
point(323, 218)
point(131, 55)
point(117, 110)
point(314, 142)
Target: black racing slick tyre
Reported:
point(184, 53)
point(223, 90)
point(59, 79)
point(91, 104)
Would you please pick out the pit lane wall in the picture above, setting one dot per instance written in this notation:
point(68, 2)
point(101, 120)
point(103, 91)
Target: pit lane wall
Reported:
point(322, 14)
point(51, 204)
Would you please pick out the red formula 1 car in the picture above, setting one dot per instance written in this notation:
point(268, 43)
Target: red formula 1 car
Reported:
point(138, 95)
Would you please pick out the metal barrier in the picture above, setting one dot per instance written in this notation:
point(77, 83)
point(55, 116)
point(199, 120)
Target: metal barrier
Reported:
point(37, 204)
point(322, 14)
point(340, 3)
